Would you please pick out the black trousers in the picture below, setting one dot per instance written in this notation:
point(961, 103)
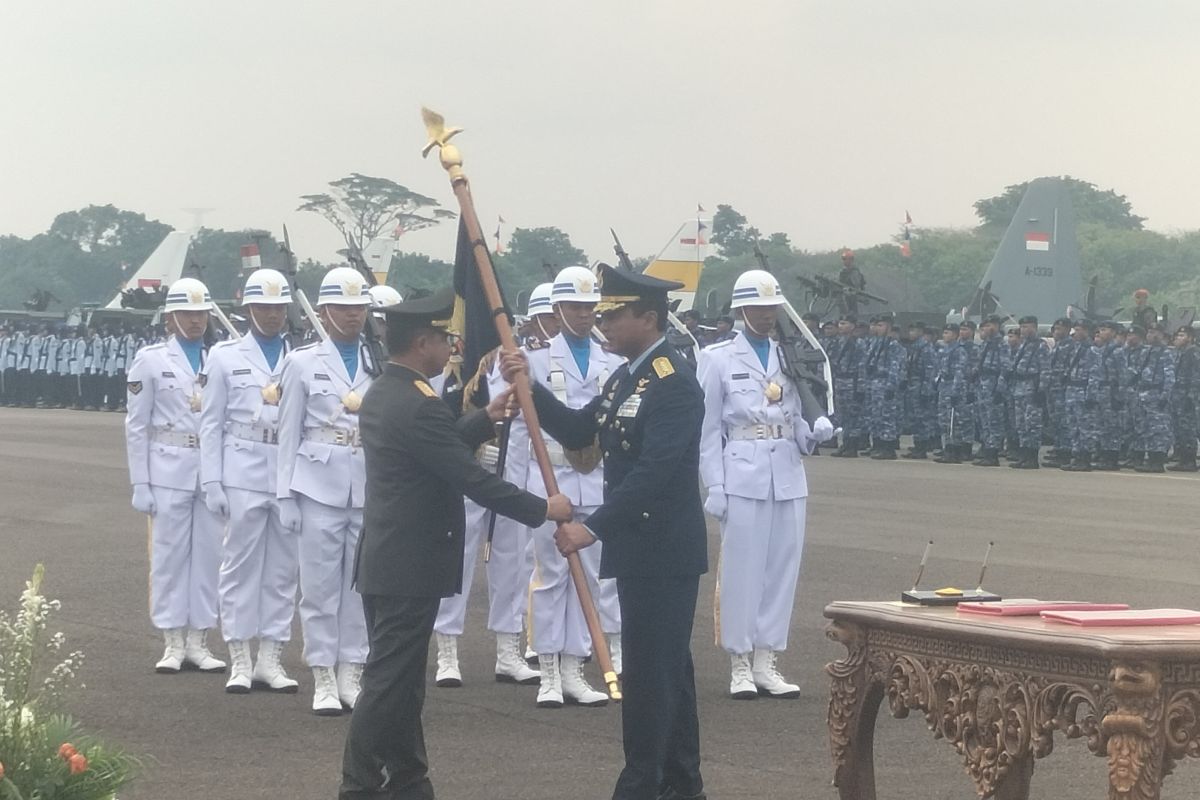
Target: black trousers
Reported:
point(658, 714)
point(385, 750)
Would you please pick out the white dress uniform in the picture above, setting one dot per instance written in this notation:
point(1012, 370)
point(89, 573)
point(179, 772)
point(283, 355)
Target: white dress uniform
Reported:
point(162, 430)
point(79, 348)
point(321, 464)
point(751, 448)
point(508, 569)
point(557, 624)
point(238, 435)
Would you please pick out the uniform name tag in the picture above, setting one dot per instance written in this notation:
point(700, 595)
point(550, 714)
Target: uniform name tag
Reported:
point(740, 376)
point(630, 407)
point(168, 374)
point(241, 372)
point(321, 376)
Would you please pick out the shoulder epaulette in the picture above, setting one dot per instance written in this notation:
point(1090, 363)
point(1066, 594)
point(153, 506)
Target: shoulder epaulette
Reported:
point(536, 344)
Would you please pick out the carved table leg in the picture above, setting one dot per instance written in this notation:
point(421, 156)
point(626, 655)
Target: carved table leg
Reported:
point(1015, 785)
point(853, 708)
point(1134, 732)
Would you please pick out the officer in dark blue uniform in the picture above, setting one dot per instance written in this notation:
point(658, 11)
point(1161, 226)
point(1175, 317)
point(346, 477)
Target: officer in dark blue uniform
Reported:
point(648, 420)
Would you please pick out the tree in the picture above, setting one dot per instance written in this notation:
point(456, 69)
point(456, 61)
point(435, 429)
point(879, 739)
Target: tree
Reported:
point(362, 207)
point(1104, 207)
point(533, 253)
point(731, 233)
point(417, 272)
point(107, 228)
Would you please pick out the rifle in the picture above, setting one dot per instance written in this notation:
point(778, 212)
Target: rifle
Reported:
point(372, 332)
point(302, 304)
point(800, 364)
point(679, 336)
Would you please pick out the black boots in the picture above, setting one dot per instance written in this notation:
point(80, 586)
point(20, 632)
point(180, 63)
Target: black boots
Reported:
point(988, 457)
point(1153, 463)
point(1081, 463)
point(1027, 458)
point(885, 449)
point(919, 449)
point(1186, 459)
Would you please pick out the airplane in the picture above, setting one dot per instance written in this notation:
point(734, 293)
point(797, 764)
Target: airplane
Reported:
point(1036, 267)
point(682, 259)
point(146, 289)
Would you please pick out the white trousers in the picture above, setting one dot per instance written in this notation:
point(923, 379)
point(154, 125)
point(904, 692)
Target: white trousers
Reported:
point(331, 612)
point(185, 558)
point(508, 574)
point(761, 545)
point(557, 624)
point(259, 570)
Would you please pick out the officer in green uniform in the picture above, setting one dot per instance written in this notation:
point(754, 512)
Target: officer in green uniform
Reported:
point(647, 418)
point(419, 464)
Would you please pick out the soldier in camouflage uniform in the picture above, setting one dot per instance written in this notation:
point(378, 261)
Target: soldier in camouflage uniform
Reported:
point(1083, 387)
point(991, 361)
point(1183, 400)
point(1153, 373)
point(1056, 393)
point(965, 410)
point(1026, 377)
point(882, 364)
point(1133, 452)
point(920, 394)
point(952, 391)
point(1112, 382)
point(844, 353)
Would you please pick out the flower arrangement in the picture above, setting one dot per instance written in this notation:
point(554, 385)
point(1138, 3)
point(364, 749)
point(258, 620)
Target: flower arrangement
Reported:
point(44, 755)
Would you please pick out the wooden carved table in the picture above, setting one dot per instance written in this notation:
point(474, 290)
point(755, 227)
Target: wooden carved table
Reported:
point(999, 689)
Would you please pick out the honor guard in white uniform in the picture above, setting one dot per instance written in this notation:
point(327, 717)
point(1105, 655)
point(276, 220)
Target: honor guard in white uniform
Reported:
point(511, 562)
point(320, 486)
point(162, 432)
point(575, 367)
point(79, 347)
point(238, 468)
point(751, 452)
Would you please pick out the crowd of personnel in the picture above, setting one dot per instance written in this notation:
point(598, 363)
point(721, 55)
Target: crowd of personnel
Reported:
point(1102, 395)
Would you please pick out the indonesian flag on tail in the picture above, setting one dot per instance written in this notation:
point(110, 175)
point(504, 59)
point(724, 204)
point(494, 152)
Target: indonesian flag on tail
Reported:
point(1037, 241)
point(250, 257)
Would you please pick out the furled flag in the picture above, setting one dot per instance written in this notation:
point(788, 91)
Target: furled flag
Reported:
point(472, 317)
point(499, 222)
point(700, 209)
point(907, 218)
point(1037, 241)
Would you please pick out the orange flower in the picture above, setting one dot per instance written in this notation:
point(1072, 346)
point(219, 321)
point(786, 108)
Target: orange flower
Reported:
point(66, 751)
point(77, 763)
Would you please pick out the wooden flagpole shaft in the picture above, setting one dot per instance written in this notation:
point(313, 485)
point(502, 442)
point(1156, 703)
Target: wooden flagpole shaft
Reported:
point(452, 162)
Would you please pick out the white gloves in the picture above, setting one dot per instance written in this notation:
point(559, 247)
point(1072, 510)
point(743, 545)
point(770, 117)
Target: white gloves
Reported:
point(289, 514)
point(215, 499)
point(823, 429)
point(143, 499)
point(716, 504)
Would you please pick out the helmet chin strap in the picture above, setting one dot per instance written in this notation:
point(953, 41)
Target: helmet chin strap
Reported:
point(563, 321)
point(254, 322)
point(335, 326)
point(545, 336)
point(752, 329)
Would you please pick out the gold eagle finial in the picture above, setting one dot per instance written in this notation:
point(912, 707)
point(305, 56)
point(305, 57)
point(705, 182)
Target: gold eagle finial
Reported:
point(435, 126)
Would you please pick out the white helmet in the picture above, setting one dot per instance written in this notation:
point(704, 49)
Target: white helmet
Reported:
point(575, 285)
point(757, 288)
point(344, 286)
point(267, 286)
point(188, 294)
point(539, 300)
point(382, 295)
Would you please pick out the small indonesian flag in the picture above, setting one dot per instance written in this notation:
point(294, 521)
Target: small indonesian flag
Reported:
point(1037, 241)
point(250, 257)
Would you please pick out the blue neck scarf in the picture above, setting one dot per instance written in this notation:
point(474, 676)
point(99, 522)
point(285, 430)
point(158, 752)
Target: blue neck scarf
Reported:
point(271, 348)
point(191, 349)
point(349, 354)
point(581, 349)
point(762, 348)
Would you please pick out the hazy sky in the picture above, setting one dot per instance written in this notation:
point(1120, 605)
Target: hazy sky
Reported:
point(826, 120)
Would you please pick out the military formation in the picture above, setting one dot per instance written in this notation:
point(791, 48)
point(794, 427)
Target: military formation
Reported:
point(63, 366)
point(1099, 396)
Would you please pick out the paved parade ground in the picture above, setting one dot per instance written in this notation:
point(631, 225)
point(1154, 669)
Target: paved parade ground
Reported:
point(1097, 536)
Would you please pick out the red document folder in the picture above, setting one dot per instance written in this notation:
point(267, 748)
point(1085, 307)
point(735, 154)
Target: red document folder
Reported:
point(1031, 608)
point(1143, 616)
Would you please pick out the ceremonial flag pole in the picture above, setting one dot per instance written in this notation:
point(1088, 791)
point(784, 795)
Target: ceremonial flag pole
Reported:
point(451, 159)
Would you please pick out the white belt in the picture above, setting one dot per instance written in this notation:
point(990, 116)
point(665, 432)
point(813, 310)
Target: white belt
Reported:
point(489, 456)
point(176, 438)
point(253, 433)
point(338, 436)
point(760, 431)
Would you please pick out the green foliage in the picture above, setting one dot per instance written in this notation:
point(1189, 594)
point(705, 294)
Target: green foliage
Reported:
point(34, 681)
point(532, 256)
point(362, 207)
point(1091, 204)
point(216, 256)
point(731, 233)
point(412, 273)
